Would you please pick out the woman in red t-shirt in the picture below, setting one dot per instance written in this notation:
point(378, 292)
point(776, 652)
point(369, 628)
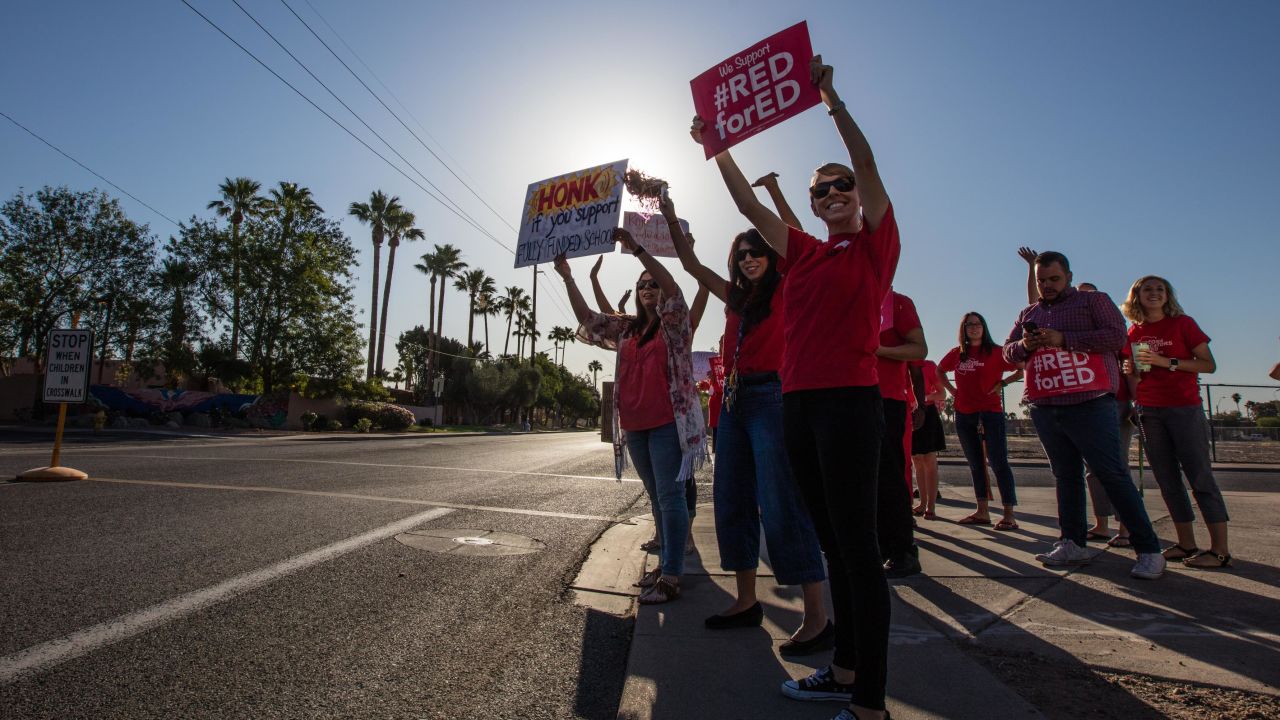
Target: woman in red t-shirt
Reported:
point(979, 367)
point(928, 439)
point(753, 481)
point(1170, 351)
point(657, 411)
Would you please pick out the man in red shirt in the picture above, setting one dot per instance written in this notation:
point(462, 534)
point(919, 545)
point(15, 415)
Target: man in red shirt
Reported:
point(901, 340)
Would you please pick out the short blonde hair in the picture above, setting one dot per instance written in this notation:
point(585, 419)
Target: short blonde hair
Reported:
point(1132, 309)
point(832, 168)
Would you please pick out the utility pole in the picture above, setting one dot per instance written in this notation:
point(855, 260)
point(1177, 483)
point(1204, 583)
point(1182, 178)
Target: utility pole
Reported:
point(533, 324)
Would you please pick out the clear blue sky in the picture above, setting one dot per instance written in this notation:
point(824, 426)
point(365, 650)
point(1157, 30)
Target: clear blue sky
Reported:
point(1136, 137)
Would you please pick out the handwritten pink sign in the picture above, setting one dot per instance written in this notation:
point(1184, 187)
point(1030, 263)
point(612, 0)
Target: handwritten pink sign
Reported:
point(755, 89)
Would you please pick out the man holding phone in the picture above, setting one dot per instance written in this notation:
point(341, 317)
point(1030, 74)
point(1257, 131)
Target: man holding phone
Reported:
point(1068, 341)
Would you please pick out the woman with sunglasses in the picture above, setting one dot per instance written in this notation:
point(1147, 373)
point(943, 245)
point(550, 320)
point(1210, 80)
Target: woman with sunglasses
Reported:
point(833, 418)
point(979, 366)
point(752, 476)
point(657, 412)
point(1170, 351)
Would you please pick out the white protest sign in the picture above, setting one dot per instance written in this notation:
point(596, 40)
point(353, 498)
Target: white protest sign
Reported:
point(66, 368)
point(651, 233)
point(573, 214)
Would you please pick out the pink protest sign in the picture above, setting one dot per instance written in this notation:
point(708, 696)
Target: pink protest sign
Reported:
point(755, 89)
point(652, 233)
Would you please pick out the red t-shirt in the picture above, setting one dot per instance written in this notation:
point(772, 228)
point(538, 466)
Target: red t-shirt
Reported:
point(762, 345)
point(832, 310)
point(974, 378)
point(716, 380)
point(894, 384)
point(1172, 337)
point(644, 390)
point(929, 371)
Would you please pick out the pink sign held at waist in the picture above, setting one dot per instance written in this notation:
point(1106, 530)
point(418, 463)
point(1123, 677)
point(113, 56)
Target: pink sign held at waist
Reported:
point(755, 89)
point(1052, 372)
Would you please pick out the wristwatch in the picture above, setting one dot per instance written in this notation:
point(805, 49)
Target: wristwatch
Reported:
point(1173, 364)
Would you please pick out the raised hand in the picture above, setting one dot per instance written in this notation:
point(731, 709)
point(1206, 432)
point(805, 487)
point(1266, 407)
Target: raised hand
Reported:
point(561, 266)
point(1027, 254)
point(770, 180)
point(696, 128)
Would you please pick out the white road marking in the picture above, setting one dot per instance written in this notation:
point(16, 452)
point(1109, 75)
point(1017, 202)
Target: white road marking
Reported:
point(86, 640)
point(306, 461)
point(353, 496)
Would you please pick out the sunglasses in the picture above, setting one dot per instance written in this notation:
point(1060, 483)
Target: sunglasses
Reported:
point(753, 252)
point(821, 189)
point(973, 324)
point(647, 285)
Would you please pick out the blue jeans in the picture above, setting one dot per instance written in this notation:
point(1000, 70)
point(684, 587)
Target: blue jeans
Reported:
point(752, 482)
point(1086, 432)
point(656, 456)
point(997, 453)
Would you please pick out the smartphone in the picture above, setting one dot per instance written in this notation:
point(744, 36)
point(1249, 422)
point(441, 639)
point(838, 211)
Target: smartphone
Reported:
point(1029, 327)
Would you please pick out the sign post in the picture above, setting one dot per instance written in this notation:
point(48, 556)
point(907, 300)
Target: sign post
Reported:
point(66, 380)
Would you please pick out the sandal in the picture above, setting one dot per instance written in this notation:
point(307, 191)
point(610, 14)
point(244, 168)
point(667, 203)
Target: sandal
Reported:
point(1177, 552)
point(648, 579)
point(1120, 541)
point(1093, 535)
point(1007, 525)
point(917, 511)
point(973, 520)
point(662, 591)
point(1207, 560)
point(651, 545)
point(930, 515)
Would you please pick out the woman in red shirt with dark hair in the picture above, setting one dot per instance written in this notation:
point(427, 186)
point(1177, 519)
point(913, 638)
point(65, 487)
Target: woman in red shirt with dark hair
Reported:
point(979, 367)
point(1171, 351)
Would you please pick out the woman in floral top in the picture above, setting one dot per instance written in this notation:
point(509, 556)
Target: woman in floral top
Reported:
point(657, 414)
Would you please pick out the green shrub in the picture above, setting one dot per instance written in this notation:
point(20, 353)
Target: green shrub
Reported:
point(309, 420)
point(363, 425)
point(383, 415)
point(332, 424)
point(1269, 422)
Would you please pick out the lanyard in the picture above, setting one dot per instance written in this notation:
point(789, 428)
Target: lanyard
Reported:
point(731, 380)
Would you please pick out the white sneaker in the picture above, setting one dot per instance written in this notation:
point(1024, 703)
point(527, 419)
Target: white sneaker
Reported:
point(1065, 552)
point(1150, 566)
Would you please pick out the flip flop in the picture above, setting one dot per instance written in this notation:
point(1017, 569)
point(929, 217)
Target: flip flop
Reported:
point(1177, 552)
point(1207, 560)
point(1120, 541)
point(971, 520)
point(930, 515)
point(1007, 525)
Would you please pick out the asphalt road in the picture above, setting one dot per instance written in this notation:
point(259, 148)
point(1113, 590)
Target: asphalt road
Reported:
point(209, 578)
point(270, 577)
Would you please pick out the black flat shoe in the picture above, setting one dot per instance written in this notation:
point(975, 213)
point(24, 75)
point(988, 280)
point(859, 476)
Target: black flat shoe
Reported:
point(751, 617)
point(824, 640)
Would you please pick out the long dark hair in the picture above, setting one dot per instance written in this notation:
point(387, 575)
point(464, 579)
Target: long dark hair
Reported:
point(642, 324)
point(752, 301)
point(988, 344)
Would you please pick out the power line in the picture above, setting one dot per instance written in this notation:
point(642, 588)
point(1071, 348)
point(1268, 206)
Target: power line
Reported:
point(59, 150)
point(331, 118)
point(393, 112)
point(459, 211)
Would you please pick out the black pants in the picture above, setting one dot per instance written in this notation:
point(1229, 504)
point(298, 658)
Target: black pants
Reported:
point(833, 438)
point(893, 500)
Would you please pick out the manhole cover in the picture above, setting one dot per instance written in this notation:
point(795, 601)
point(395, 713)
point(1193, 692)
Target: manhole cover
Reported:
point(470, 542)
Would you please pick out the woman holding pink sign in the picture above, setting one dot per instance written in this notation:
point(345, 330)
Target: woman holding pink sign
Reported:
point(833, 417)
point(1168, 351)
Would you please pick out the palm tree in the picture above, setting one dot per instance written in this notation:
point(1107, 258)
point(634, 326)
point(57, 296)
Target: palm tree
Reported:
point(375, 213)
point(239, 200)
point(474, 283)
point(561, 336)
point(446, 262)
point(513, 302)
point(399, 226)
point(288, 201)
point(595, 367)
point(487, 305)
point(1236, 398)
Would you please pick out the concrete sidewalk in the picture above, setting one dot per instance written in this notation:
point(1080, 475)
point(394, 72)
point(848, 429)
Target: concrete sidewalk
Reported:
point(981, 601)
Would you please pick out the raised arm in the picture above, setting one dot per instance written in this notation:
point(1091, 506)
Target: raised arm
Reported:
point(770, 184)
point(598, 291)
point(699, 306)
point(1033, 290)
point(707, 278)
point(579, 304)
point(875, 201)
point(666, 283)
point(771, 227)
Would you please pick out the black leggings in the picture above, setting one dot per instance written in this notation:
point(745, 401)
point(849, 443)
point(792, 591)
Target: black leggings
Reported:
point(833, 438)
point(893, 499)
